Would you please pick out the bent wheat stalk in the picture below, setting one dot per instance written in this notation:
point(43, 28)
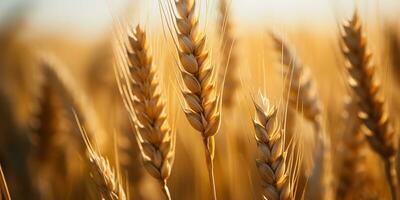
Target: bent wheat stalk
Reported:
point(302, 91)
point(270, 142)
point(4, 193)
point(372, 113)
point(202, 106)
point(102, 173)
point(301, 86)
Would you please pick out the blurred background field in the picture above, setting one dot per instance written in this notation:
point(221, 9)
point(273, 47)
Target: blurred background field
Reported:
point(81, 34)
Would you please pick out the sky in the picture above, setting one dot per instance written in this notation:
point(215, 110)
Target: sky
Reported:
point(92, 15)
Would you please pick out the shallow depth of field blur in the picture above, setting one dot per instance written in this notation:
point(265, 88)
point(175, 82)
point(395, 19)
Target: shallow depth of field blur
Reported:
point(81, 34)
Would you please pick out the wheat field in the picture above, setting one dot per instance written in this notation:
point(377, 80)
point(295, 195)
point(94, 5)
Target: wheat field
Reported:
point(199, 99)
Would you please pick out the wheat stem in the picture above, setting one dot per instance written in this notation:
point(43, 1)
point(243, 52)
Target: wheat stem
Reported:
point(165, 190)
point(210, 166)
point(3, 186)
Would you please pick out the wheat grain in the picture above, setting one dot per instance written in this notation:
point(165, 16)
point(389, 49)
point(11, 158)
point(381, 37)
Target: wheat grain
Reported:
point(372, 113)
point(270, 141)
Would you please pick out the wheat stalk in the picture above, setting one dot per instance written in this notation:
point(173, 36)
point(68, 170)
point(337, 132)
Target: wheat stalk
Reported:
point(270, 142)
point(148, 111)
point(202, 107)
point(4, 193)
point(372, 113)
point(302, 91)
point(228, 54)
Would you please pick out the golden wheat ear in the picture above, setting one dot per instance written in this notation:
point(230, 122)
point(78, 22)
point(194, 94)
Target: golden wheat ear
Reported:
point(4, 193)
point(141, 91)
point(155, 134)
point(272, 166)
point(199, 90)
point(362, 79)
point(101, 172)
